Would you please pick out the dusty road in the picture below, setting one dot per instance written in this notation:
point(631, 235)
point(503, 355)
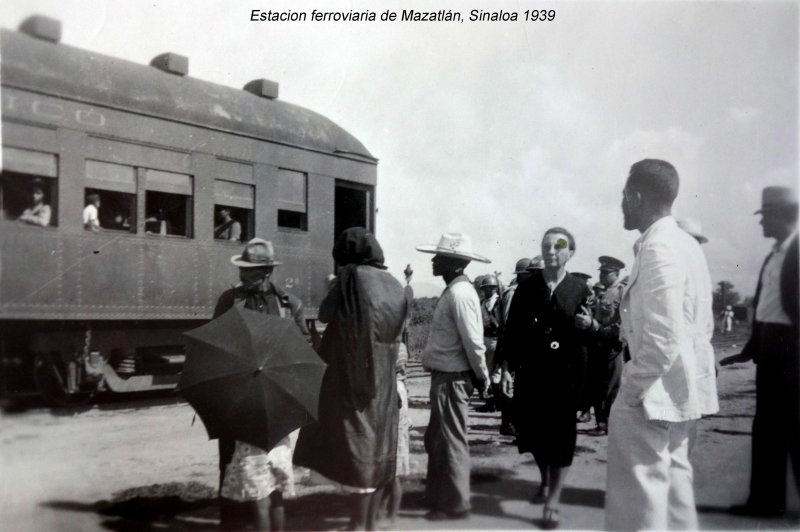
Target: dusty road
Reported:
point(119, 466)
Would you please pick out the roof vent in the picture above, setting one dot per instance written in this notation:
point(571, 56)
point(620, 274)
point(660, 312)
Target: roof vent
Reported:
point(41, 27)
point(263, 88)
point(172, 63)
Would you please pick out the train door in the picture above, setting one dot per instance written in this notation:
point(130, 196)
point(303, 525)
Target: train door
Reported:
point(352, 207)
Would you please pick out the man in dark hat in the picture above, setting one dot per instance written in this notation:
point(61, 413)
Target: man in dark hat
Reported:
point(256, 292)
point(605, 349)
point(773, 346)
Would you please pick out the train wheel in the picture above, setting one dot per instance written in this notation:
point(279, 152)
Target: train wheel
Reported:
point(51, 383)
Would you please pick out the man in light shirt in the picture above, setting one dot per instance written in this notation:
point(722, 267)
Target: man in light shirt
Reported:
point(669, 382)
point(455, 357)
point(773, 346)
point(91, 220)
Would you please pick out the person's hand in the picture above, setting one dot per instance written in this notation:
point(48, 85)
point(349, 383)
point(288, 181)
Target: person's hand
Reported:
point(331, 281)
point(734, 359)
point(507, 384)
point(484, 386)
point(583, 319)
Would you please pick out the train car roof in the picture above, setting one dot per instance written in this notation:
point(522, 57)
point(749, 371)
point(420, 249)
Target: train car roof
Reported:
point(76, 74)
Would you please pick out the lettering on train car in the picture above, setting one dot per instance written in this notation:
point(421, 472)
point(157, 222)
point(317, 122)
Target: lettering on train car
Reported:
point(24, 107)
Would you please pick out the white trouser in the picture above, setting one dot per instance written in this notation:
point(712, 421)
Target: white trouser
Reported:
point(649, 481)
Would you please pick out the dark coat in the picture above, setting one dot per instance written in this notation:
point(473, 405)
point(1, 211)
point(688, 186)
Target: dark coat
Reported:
point(543, 346)
point(790, 289)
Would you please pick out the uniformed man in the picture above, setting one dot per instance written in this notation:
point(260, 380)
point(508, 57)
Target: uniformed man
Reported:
point(605, 349)
point(586, 375)
point(492, 315)
point(256, 292)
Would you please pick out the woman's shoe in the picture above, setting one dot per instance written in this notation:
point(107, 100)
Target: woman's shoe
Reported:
point(550, 518)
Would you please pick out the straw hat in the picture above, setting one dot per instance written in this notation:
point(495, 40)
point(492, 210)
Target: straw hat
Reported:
point(693, 228)
point(455, 245)
point(258, 253)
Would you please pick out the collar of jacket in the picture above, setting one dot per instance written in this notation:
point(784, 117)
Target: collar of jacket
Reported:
point(654, 227)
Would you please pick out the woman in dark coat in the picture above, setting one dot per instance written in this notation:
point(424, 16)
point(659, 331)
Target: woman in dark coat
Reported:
point(355, 441)
point(541, 344)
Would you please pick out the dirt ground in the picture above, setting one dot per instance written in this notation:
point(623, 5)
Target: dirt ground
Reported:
point(121, 465)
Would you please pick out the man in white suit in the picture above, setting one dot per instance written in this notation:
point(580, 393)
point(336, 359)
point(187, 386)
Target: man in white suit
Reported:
point(669, 382)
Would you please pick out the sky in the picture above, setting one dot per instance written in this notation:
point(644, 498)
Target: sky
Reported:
point(501, 130)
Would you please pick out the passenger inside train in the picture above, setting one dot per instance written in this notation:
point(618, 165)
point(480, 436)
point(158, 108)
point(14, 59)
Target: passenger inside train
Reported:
point(39, 213)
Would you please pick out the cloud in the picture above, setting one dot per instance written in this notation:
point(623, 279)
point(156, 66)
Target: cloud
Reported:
point(743, 115)
point(673, 144)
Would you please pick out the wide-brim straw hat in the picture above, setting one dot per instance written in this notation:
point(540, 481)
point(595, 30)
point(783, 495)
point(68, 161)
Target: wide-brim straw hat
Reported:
point(693, 228)
point(455, 245)
point(776, 198)
point(257, 253)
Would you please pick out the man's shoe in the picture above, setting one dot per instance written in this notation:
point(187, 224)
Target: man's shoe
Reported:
point(438, 515)
point(750, 510)
point(600, 430)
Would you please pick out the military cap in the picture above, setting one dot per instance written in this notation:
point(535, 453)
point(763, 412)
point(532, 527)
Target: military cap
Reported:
point(584, 276)
point(537, 263)
point(522, 266)
point(610, 263)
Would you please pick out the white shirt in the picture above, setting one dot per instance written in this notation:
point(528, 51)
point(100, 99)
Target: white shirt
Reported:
point(769, 308)
point(456, 340)
point(90, 216)
point(667, 322)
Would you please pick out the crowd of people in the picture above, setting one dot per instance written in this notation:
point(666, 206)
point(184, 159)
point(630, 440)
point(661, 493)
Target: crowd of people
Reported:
point(544, 351)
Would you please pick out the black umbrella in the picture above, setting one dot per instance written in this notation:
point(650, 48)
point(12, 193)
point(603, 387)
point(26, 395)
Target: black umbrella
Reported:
point(251, 377)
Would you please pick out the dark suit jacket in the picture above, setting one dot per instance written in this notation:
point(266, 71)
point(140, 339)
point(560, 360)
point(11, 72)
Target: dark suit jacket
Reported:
point(790, 299)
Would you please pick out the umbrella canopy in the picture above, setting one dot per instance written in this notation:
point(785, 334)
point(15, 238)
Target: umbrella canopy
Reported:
point(251, 377)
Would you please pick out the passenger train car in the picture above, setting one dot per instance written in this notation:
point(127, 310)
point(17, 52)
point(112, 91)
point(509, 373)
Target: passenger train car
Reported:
point(83, 311)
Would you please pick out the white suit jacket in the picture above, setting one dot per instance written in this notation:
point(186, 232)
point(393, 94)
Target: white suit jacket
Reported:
point(667, 322)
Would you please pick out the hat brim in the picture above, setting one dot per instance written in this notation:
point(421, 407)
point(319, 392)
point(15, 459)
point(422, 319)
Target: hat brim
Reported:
point(236, 260)
point(453, 254)
point(775, 207)
point(700, 238)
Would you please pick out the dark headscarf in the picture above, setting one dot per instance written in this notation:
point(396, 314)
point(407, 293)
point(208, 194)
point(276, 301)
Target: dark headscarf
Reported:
point(356, 247)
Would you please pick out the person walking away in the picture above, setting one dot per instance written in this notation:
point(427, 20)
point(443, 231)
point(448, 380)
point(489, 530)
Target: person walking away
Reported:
point(253, 481)
point(542, 345)
point(354, 442)
point(773, 347)
point(454, 355)
point(667, 323)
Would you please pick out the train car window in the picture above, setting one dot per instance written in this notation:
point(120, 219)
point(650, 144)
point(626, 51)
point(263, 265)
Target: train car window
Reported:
point(292, 199)
point(115, 184)
point(168, 203)
point(28, 198)
point(233, 211)
point(116, 210)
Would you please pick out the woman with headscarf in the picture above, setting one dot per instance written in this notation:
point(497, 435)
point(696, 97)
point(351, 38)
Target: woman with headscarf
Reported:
point(542, 344)
point(354, 442)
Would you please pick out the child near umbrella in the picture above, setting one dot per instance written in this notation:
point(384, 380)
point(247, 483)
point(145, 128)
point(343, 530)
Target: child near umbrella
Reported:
point(254, 484)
